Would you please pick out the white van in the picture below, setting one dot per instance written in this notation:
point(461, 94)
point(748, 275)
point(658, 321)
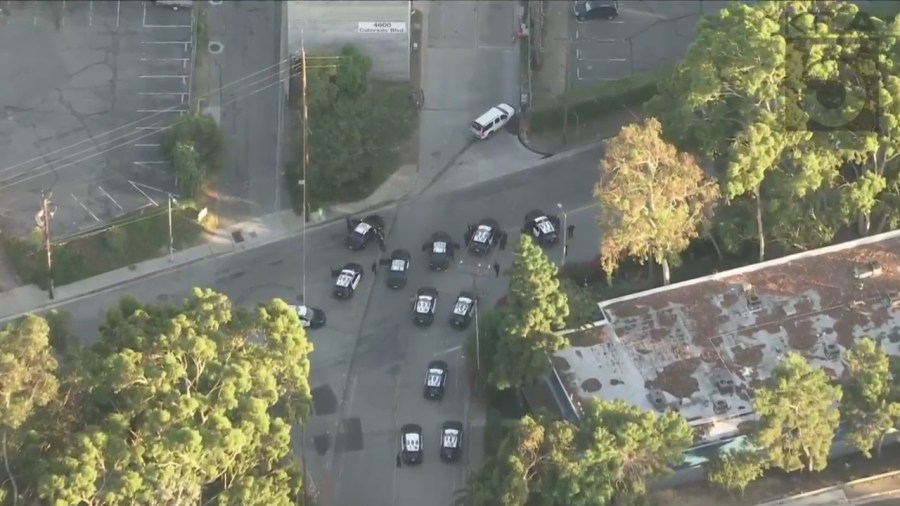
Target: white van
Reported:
point(493, 120)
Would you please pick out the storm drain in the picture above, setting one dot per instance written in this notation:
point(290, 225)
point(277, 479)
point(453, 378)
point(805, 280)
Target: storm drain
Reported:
point(215, 47)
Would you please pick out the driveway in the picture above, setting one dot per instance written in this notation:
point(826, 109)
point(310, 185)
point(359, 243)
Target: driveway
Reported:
point(646, 36)
point(89, 86)
point(369, 360)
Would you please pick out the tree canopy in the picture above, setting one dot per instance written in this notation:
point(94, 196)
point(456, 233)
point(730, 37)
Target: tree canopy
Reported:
point(195, 147)
point(536, 311)
point(798, 416)
point(796, 103)
point(869, 408)
point(653, 198)
point(733, 470)
point(175, 404)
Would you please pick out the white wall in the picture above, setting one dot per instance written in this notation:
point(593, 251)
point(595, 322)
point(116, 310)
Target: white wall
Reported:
point(328, 25)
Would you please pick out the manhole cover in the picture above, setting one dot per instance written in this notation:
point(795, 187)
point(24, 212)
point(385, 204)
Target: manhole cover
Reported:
point(215, 47)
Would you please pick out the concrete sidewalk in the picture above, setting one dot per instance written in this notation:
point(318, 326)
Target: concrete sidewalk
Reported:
point(883, 487)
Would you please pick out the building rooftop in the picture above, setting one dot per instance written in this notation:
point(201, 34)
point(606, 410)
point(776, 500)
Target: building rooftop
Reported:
point(703, 345)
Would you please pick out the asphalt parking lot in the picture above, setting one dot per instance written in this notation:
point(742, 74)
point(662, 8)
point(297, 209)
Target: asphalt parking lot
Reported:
point(92, 84)
point(645, 36)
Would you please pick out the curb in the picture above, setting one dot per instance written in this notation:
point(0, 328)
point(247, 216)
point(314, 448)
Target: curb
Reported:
point(840, 488)
point(56, 303)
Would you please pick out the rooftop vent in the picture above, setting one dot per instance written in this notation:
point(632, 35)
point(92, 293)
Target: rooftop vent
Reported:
point(720, 406)
point(832, 351)
point(754, 304)
point(658, 399)
point(867, 270)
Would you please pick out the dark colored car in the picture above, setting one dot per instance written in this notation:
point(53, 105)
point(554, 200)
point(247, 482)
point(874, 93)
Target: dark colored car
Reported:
point(398, 269)
point(463, 310)
point(311, 317)
point(596, 9)
point(451, 441)
point(424, 305)
point(440, 248)
point(542, 227)
point(435, 379)
point(482, 237)
point(411, 443)
point(346, 280)
point(361, 231)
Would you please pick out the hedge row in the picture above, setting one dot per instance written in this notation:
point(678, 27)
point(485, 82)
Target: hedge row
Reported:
point(592, 102)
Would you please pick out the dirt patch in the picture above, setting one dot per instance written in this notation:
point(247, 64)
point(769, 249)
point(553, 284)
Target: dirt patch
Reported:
point(591, 385)
point(588, 337)
point(748, 357)
point(847, 320)
point(676, 378)
point(560, 364)
point(801, 335)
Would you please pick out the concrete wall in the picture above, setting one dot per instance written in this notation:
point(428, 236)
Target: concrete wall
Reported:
point(328, 25)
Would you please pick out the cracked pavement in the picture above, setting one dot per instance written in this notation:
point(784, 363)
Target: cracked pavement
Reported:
point(71, 99)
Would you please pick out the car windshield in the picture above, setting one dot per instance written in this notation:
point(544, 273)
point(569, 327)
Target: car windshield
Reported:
point(302, 311)
point(362, 228)
point(482, 234)
point(398, 264)
point(543, 224)
point(434, 378)
point(439, 247)
point(423, 304)
point(451, 438)
point(462, 306)
point(411, 442)
point(345, 278)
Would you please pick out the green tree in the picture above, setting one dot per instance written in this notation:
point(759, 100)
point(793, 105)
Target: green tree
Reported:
point(868, 409)
point(29, 381)
point(735, 469)
point(351, 76)
point(481, 346)
point(798, 416)
point(645, 444)
point(535, 313)
point(188, 170)
point(201, 131)
point(179, 404)
point(506, 475)
point(654, 199)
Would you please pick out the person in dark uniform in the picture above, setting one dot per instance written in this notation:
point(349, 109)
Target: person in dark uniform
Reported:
point(349, 224)
point(399, 460)
point(503, 241)
point(570, 231)
point(497, 269)
point(374, 267)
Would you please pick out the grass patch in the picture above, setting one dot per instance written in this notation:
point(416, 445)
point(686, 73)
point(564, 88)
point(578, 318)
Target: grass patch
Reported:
point(131, 240)
point(360, 153)
point(592, 102)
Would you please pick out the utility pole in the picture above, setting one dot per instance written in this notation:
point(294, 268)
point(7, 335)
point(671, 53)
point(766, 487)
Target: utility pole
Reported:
point(305, 217)
point(565, 125)
point(45, 222)
point(171, 235)
point(565, 234)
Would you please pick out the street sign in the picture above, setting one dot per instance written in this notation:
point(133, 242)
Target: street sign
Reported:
point(388, 27)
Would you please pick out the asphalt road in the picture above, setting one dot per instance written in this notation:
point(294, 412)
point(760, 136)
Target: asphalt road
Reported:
point(369, 343)
point(250, 35)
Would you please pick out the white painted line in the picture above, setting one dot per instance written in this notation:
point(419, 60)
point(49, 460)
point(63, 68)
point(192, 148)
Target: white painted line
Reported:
point(589, 60)
point(37, 5)
point(146, 145)
point(132, 183)
point(91, 13)
point(85, 207)
point(578, 73)
point(167, 26)
point(62, 16)
point(157, 111)
point(144, 18)
point(110, 198)
point(118, 11)
point(162, 77)
point(158, 129)
point(448, 350)
point(182, 60)
point(162, 93)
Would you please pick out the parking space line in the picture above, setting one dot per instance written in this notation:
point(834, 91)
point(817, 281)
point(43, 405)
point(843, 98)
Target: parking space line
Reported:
point(146, 145)
point(62, 16)
point(184, 61)
point(185, 43)
point(156, 128)
point(157, 111)
point(162, 93)
point(118, 11)
point(98, 220)
point(110, 198)
point(91, 13)
point(136, 187)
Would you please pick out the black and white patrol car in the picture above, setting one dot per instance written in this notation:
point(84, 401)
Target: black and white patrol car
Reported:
point(435, 379)
point(347, 279)
point(361, 231)
point(424, 304)
point(310, 316)
point(542, 227)
point(451, 441)
point(440, 248)
point(482, 237)
point(398, 269)
point(411, 443)
point(463, 309)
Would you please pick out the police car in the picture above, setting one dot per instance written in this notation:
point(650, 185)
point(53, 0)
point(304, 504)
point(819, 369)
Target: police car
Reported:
point(451, 441)
point(361, 231)
point(411, 443)
point(398, 268)
point(435, 379)
point(310, 316)
point(482, 237)
point(424, 304)
point(463, 309)
point(440, 248)
point(542, 227)
point(346, 280)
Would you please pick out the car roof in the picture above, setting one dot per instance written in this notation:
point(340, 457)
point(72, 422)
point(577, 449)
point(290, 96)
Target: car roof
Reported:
point(440, 235)
point(437, 364)
point(468, 295)
point(374, 219)
point(489, 222)
point(453, 424)
point(353, 266)
point(493, 112)
point(426, 290)
point(535, 213)
point(411, 427)
point(400, 253)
